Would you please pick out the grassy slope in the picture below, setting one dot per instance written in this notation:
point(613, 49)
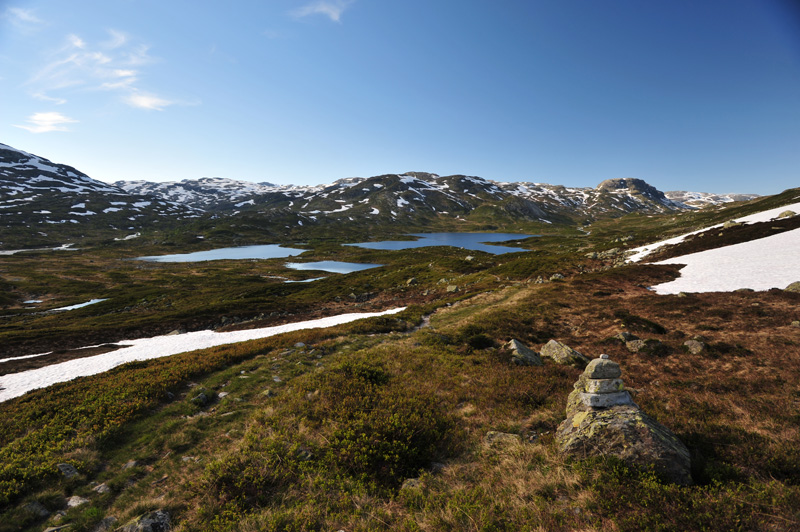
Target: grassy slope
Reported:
point(362, 407)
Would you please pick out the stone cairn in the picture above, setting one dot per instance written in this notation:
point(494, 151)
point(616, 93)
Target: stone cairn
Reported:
point(603, 420)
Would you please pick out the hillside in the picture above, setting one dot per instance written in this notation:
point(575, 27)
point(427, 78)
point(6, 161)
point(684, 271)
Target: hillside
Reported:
point(44, 203)
point(392, 423)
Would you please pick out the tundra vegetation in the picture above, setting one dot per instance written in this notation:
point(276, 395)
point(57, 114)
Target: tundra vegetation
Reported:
point(381, 424)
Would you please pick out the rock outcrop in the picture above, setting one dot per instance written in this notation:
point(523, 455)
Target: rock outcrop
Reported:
point(563, 354)
point(155, 521)
point(603, 420)
point(521, 354)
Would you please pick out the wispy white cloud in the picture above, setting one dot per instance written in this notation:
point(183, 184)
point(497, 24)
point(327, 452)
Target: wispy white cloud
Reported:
point(116, 39)
point(46, 98)
point(46, 122)
point(332, 9)
point(147, 101)
point(75, 41)
point(114, 65)
point(17, 15)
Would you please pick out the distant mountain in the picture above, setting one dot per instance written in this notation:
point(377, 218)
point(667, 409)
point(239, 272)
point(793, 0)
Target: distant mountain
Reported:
point(207, 193)
point(39, 198)
point(703, 199)
point(414, 195)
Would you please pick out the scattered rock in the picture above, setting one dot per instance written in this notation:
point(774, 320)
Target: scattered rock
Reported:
point(56, 528)
point(452, 288)
point(557, 277)
point(411, 281)
point(130, 464)
point(268, 393)
point(626, 337)
point(695, 347)
point(67, 470)
point(647, 347)
point(787, 214)
point(156, 521)
point(201, 400)
point(106, 524)
point(563, 354)
point(603, 420)
point(522, 355)
point(794, 287)
point(102, 488)
point(493, 438)
point(38, 509)
point(795, 324)
point(731, 223)
point(299, 345)
point(76, 500)
point(411, 483)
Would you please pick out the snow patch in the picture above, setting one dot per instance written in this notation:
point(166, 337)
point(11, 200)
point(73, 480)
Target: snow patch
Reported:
point(16, 384)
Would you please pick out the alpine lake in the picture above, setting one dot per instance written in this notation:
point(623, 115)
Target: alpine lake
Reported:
point(472, 241)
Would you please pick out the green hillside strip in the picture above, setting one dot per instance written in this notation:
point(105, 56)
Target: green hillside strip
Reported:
point(75, 418)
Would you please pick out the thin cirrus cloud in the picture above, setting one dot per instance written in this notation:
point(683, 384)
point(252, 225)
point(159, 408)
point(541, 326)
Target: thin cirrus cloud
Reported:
point(113, 65)
point(150, 102)
point(22, 18)
point(46, 122)
point(333, 9)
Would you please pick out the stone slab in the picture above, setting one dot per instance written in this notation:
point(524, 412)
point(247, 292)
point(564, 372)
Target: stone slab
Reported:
point(601, 368)
point(604, 385)
point(604, 400)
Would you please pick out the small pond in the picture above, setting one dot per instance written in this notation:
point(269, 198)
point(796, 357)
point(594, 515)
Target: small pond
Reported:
point(266, 251)
point(333, 266)
point(473, 241)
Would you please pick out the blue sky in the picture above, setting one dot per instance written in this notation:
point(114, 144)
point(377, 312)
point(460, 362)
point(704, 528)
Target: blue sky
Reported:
point(687, 95)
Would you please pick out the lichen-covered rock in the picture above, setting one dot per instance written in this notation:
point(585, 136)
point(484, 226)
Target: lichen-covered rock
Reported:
point(794, 287)
point(495, 439)
point(156, 521)
point(647, 347)
point(630, 435)
point(603, 420)
point(787, 214)
point(563, 354)
point(695, 347)
point(67, 470)
point(601, 368)
point(625, 337)
point(76, 500)
point(522, 355)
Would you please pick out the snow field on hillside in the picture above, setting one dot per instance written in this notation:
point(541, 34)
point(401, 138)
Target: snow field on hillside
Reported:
point(16, 384)
point(771, 262)
point(764, 216)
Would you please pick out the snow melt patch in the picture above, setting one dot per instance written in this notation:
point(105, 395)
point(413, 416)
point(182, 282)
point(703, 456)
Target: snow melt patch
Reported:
point(771, 262)
point(79, 305)
point(763, 216)
point(17, 384)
